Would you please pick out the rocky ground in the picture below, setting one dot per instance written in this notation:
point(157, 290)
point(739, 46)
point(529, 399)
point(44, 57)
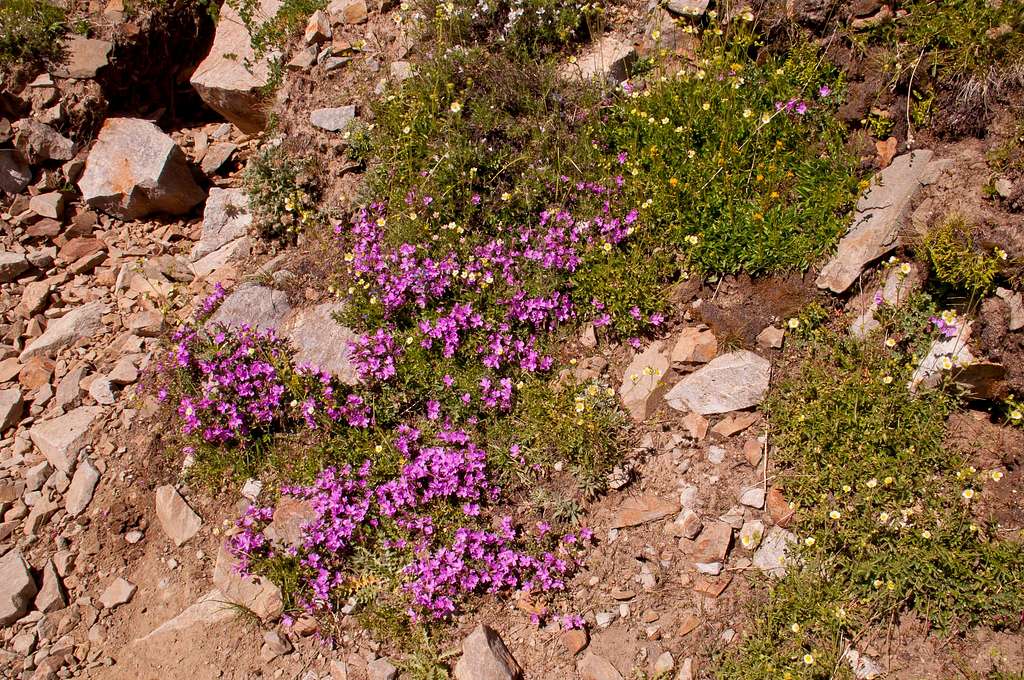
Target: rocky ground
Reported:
point(113, 567)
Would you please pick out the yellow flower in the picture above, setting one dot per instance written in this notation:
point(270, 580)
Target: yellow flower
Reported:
point(673, 181)
point(795, 628)
point(793, 323)
point(926, 535)
point(747, 113)
point(835, 514)
point(455, 107)
point(809, 541)
point(890, 342)
point(766, 117)
point(846, 488)
point(968, 494)
point(887, 380)
point(905, 268)
point(1000, 253)
point(706, 106)
point(1015, 414)
point(996, 475)
point(506, 196)
point(809, 659)
point(888, 480)
point(883, 518)
point(946, 364)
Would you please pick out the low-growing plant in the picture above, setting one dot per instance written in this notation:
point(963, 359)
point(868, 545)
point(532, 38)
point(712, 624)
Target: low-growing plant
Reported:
point(283, 191)
point(958, 262)
point(887, 517)
point(30, 30)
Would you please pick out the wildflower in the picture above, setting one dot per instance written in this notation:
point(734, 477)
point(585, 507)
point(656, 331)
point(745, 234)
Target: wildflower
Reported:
point(706, 106)
point(890, 342)
point(996, 475)
point(846, 488)
point(887, 380)
point(505, 196)
point(809, 659)
point(905, 268)
point(835, 514)
point(888, 480)
point(809, 541)
point(455, 107)
point(872, 483)
point(824, 91)
point(926, 535)
point(766, 117)
point(967, 493)
point(795, 628)
point(946, 364)
point(1016, 414)
point(793, 323)
point(1000, 253)
point(747, 113)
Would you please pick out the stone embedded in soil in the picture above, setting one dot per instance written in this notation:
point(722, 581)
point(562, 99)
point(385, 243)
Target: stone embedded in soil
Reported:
point(318, 28)
point(382, 669)
point(688, 7)
point(695, 346)
point(179, 521)
point(230, 79)
point(134, 169)
point(255, 593)
point(260, 307)
point(771, 338)
point(956, 349)
point(751, 534)
point(119, 592)
point(609, 59)
point(636, 511)
point(59, 439)
point(874, 230)
point(347, 11)
point(771, 557)
point(863, 666)
point(226, 218)
point(15, 173)
point(485, 657)
point(17, 587)
point(1015, 302)
point(50, 204)
point(753, 496)
point(778, 508)
point(83, 485)
point(290, 515)
point(712, 545)
point(333, 119)
point(85, 57)
point(733, 424)
point(687, 525)
point(338, 670)
point(688, 623)
point(731, 382)
point(81, 322)
point(12, 405)
point(274, 645)
point(664, 664)
point(216, 156)
point(51, 597)
point(640, 380)
point(321, 341)
point(594, 667)
point(575, 640)
point(752, 451)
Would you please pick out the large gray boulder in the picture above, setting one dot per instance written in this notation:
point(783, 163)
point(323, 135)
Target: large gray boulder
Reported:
point(134, 169)
point(877, 220)
point(230, 78)
point(731, 382)
point(321, 341)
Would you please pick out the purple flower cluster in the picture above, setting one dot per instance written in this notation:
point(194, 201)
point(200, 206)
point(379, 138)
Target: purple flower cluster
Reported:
point(348, 509)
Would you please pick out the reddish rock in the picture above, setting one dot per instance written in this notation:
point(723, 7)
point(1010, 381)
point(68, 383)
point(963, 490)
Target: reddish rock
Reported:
point(713, 543)
point(636, 511)
point(778, 508)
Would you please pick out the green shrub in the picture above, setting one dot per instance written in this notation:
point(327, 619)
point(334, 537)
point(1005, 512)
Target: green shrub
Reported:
point(958, 262)
point(30, 30)
point(886, 513)
point(739, 165)
point(283, 192)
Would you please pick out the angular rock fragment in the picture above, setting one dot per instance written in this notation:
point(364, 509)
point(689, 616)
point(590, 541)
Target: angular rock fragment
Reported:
point(134, 170)
point(485, 657)
point(179, 521)
point(731, 382)
point(17, 587)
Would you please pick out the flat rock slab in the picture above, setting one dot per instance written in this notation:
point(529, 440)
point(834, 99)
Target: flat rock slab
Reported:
point(594, 667)
point(771, 557)
point(641, 378)
point(85, 57)
point(731, 382)
point(333, 119)
point(60, 439)
point(17, 587)
point(259, 307)
point(321, 341)
point(179, 521)
point(636, 511)
point(257, 594)
point(83, 485)
point(607, 60)
point(226, 218)
point(81, 322)
point(11, 407)
point(12, 265)
point(485, 657)
point(15, 173)
point(230, 78)
point(134, 170)
point(119, 592)
point(877, 220)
